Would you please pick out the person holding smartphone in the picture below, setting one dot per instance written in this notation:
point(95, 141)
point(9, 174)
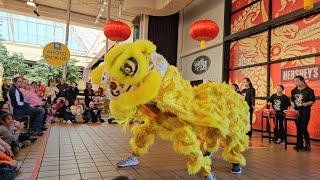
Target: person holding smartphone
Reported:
point(302, 98)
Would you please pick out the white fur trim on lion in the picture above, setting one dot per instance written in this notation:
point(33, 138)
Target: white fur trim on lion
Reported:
point(159, 62)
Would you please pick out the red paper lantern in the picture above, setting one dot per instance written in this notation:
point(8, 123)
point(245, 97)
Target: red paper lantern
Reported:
point(204, 30)
point(117, 31)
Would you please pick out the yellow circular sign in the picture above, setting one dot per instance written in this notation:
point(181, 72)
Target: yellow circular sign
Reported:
point(56, 54)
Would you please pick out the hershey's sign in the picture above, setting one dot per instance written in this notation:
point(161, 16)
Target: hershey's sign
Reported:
point(310, 72)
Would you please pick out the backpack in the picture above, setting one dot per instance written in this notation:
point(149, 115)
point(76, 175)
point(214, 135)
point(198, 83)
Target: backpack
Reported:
point(7, 172)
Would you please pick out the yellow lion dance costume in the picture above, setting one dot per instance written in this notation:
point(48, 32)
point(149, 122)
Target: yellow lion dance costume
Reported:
point(142, 86)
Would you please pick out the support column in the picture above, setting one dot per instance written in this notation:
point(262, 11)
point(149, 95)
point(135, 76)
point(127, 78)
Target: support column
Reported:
point(144, 23)
point(64, 75)
point(180, 40)
point(108, 19)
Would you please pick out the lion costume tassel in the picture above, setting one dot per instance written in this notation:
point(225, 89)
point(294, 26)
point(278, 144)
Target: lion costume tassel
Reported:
point(144, 87)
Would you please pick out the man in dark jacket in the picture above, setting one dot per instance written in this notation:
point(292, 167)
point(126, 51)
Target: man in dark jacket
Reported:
point(21, 108)
point(72, 92)
point(63, 87)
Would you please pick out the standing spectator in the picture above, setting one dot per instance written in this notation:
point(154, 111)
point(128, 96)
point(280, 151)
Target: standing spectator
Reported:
point(280, 102)
point(73, 92)
point(249, 95)
point(20, 107)
point(236, 88)
point(41, 88)
point(5, 88)
point(21, 74)
point(63, 87)
point(88, 94)
point(302, 98)
point(51, 92)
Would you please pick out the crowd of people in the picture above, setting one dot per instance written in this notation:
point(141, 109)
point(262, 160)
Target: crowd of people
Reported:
point(38, 106)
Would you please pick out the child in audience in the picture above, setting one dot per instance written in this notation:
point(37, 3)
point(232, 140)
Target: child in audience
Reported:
point(76, 109)
point(25, 138)
point(8, 135)
point(59, 112)
point(51, 114)
point(65, 112)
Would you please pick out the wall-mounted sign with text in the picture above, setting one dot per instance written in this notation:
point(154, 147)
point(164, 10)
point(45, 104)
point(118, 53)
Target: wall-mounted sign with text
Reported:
point(309, 72)
point(56, 54)
point(200, 65)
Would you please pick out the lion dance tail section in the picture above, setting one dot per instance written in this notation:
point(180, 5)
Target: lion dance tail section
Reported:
point(234, 110)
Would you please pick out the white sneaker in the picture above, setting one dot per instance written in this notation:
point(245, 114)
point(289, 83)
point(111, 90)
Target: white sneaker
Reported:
point(130, 161)
point(211, 176)
point(69, 122)
point(64, 121)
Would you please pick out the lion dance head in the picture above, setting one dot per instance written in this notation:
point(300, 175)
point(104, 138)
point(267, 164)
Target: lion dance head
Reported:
point(132, 75)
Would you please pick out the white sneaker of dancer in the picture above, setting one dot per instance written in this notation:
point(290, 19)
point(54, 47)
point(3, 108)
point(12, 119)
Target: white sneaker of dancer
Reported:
point(129, 161)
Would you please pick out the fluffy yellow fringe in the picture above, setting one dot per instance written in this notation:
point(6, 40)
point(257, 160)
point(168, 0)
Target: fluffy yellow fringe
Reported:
point(214, 111)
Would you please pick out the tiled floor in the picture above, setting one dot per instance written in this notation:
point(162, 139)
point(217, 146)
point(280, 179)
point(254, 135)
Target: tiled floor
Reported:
point(91, 151)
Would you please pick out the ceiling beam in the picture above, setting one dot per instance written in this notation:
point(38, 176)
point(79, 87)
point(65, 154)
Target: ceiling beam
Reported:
point(51, 13)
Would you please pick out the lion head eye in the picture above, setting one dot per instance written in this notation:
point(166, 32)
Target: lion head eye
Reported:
point(113, 85)
point(130, 68)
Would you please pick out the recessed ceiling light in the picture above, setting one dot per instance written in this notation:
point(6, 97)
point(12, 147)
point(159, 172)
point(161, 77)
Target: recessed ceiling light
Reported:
point(102, 9)
point(31, 3)
point(105, 3)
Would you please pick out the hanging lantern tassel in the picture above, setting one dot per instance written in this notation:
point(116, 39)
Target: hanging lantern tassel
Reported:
point(308, 4)
point(202, 44)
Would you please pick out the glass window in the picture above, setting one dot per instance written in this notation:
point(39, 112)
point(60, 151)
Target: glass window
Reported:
point(250, 16)
point(296, 39)
point(249, 51)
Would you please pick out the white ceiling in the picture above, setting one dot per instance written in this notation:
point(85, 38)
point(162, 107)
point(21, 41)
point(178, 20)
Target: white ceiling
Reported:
point(83, 12)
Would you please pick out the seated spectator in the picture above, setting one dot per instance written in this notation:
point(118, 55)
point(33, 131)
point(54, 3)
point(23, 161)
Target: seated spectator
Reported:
point(7, 159)
point(76, 110)
point(22, 108)
point(52, 111)
point(25, 138)
point(59, 103)
point(5, 148)
point(8, 135)
point(8, 167)
point(34, 87)
point(65, 112)
point(33, 99)
point(92, 114)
